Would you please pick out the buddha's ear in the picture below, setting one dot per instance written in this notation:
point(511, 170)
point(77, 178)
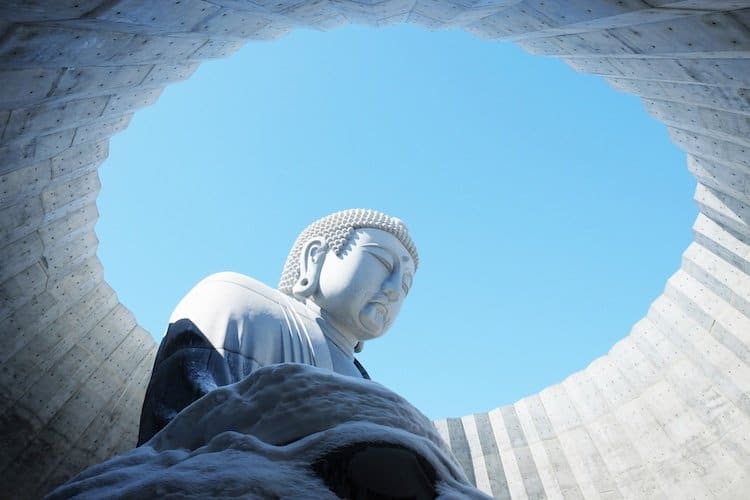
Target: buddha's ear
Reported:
point(310, 263)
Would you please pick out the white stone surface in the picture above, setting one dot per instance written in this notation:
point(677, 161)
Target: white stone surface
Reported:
point(344, 282)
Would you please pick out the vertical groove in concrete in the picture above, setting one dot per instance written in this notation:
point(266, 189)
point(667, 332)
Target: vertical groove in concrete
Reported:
point(665, 414)
point(460, 446)
point(549, 477)
point(512, 470)
point(495, 472)
point(478, 458)
point(519, 444)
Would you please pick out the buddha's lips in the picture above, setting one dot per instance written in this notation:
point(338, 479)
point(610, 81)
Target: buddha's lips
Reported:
point(381, 307)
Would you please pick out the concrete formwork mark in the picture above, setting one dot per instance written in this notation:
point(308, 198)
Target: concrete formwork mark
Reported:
point(663, 415)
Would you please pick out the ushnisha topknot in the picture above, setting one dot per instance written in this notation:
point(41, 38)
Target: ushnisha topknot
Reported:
point(335, 230)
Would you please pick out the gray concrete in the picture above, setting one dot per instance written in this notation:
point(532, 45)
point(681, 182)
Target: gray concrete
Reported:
point(665, 414)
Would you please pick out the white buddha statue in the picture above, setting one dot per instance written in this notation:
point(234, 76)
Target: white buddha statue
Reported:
point(343, 284)
point(247, 418)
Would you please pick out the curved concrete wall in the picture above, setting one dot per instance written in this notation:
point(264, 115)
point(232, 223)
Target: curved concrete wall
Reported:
point(666, 414)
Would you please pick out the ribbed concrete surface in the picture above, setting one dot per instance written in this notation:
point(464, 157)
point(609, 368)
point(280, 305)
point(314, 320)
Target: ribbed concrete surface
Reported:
point(666, 414)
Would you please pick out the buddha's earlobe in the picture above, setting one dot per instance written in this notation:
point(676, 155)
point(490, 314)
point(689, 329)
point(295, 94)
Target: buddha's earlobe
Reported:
point(310, 263)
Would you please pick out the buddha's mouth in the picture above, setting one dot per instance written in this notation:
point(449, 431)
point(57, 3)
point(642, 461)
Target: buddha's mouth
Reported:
point(382, 309)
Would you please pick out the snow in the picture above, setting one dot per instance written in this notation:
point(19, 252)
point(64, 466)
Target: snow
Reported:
point(257, 438)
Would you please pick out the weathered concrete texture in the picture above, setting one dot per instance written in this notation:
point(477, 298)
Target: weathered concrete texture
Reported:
point(665, 414)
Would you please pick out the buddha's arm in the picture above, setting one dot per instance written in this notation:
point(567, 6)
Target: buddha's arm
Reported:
point(187, 366)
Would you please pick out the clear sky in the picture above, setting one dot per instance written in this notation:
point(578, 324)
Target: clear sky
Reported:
point(548, 209)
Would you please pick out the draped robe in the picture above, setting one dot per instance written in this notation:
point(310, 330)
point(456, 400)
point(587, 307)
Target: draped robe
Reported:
point(226, 327)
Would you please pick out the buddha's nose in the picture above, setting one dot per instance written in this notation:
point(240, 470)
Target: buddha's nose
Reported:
point(390, 289)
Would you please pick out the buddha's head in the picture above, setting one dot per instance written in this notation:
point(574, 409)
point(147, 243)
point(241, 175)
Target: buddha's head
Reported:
point(357, 266)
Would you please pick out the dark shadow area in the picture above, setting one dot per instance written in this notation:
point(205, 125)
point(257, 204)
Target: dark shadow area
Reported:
point(187, 367)
point(377, 471)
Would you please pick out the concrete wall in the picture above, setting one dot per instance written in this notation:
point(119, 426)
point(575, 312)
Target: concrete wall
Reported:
point(666, 414)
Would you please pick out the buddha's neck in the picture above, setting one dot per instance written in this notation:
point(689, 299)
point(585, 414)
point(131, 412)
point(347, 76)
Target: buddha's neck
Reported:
point(344, 341)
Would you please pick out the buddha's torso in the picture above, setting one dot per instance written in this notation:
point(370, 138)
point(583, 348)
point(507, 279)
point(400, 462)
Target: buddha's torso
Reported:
point(253, 325)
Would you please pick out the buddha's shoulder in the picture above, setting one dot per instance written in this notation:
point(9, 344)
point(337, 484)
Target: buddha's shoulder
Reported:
point(236, 281)
point(230, 291)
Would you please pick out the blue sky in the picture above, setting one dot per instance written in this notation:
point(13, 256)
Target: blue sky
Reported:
point(548, 209)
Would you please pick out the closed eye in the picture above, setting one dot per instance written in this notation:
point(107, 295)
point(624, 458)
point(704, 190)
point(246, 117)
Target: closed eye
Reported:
point(387, 263)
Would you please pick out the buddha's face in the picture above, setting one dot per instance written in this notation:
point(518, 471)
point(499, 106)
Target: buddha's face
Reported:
point(361, 291)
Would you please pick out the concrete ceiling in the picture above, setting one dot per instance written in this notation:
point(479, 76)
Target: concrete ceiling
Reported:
point(666, 414)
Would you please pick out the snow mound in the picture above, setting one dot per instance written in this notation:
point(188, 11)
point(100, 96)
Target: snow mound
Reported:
point(285, 431)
